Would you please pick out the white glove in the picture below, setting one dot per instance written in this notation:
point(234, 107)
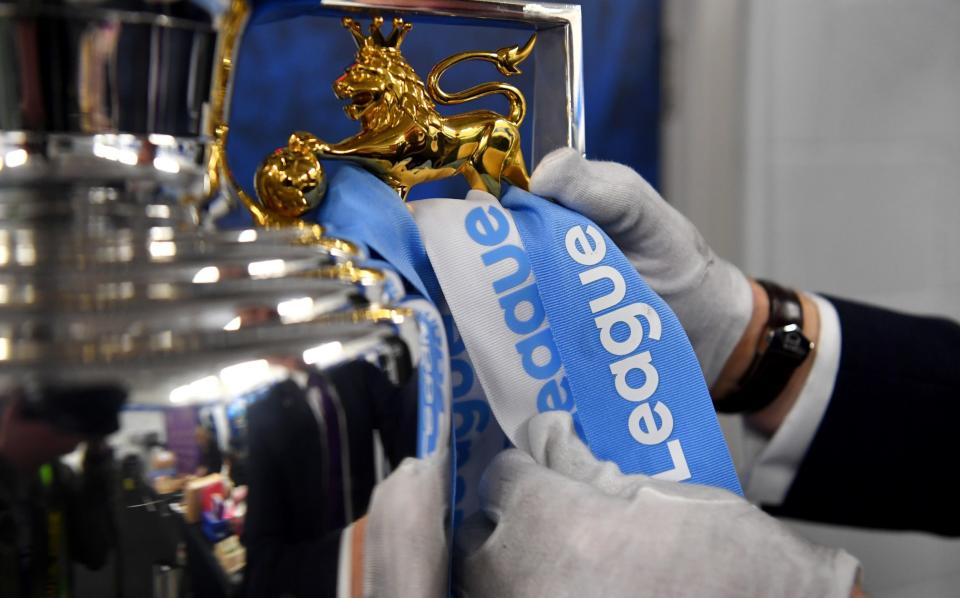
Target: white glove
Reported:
point(569, 525)
point(710, 296)
point(406, 548)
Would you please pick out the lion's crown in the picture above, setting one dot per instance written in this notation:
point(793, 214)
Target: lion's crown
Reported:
point(376, 39)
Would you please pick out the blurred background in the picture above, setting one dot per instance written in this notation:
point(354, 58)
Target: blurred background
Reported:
point(815, 142)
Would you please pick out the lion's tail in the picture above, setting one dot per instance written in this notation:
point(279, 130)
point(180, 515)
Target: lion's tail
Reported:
point(507, 61)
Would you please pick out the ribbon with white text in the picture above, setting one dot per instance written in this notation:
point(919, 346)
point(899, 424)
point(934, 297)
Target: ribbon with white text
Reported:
point(553, 316)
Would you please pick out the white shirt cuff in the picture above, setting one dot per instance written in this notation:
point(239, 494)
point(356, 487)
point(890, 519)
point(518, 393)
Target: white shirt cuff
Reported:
point(778, 458)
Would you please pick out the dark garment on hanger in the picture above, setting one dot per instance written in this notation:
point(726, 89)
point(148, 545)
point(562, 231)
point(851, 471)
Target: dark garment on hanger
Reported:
point(311, 469)
point(47, 526)
point(291, 547)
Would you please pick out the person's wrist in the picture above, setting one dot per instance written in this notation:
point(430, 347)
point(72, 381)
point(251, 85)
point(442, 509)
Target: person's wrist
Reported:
point(743, 352)
point(768, 419)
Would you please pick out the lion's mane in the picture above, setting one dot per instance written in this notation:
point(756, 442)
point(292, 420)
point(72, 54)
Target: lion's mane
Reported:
point(409, 95)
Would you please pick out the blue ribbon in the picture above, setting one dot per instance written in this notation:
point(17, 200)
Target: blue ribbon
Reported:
point(361, 208)
point(604, 415)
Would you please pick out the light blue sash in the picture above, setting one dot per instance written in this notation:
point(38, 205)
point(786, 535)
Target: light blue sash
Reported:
point(639, 391)
point(391, 238)
point(547, 313)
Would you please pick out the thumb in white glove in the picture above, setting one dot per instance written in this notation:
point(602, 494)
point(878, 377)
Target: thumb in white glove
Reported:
point(404, 548)
point(710, 296)
point(565, 524)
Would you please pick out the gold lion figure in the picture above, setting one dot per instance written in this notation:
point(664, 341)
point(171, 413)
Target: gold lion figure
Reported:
point(403, 139)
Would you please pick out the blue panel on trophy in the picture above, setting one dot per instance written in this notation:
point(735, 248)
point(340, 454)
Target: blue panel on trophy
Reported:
point(288, 68)
point(288, 65)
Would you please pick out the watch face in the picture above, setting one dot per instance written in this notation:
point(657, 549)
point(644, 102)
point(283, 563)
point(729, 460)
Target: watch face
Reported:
point(790, 341)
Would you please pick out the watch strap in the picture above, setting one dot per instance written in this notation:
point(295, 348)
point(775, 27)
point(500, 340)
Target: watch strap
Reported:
point(785, 349)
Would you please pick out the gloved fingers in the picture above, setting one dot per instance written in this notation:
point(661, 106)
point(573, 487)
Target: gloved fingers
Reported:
point(472, 533)
point(408, 512)
point(785, 564)
point(515, 482)
point(511, 479)
point(403, 492)
point(415, 491)
point(711, 297)
point(505, 480)
point(527, 506)
point(555, 444)
point(613, 195)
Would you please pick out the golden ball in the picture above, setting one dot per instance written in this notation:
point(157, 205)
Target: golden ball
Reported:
point(290, 183)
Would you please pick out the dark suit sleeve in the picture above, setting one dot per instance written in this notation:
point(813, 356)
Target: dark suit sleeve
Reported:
point(884, 453)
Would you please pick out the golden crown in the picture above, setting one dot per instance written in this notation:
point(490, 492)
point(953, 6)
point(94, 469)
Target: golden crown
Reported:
point(376, 39)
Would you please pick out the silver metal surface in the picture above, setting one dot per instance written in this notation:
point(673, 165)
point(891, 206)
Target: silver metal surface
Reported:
point(116, 303)
point(103, 109)
point(150, 365)
point(227, 302)
point(172, 257)
point(105, 67)
point(100, 183)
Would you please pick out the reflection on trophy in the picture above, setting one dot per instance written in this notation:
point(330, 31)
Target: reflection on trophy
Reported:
point(179, 402)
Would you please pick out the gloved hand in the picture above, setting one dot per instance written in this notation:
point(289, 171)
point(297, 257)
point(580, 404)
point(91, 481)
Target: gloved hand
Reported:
point(405, 547)
point(565, 524)
point(710, 296)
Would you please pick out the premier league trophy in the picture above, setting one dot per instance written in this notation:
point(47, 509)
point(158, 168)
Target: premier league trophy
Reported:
point(221, 384)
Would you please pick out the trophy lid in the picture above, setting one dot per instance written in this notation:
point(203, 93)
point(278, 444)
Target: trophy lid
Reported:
point(128, 66)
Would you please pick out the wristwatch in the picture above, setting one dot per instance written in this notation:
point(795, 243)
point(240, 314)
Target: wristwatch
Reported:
point(783, 349)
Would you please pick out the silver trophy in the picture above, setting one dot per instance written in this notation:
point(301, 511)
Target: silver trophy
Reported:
point(198, 366)
point(224, 384)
